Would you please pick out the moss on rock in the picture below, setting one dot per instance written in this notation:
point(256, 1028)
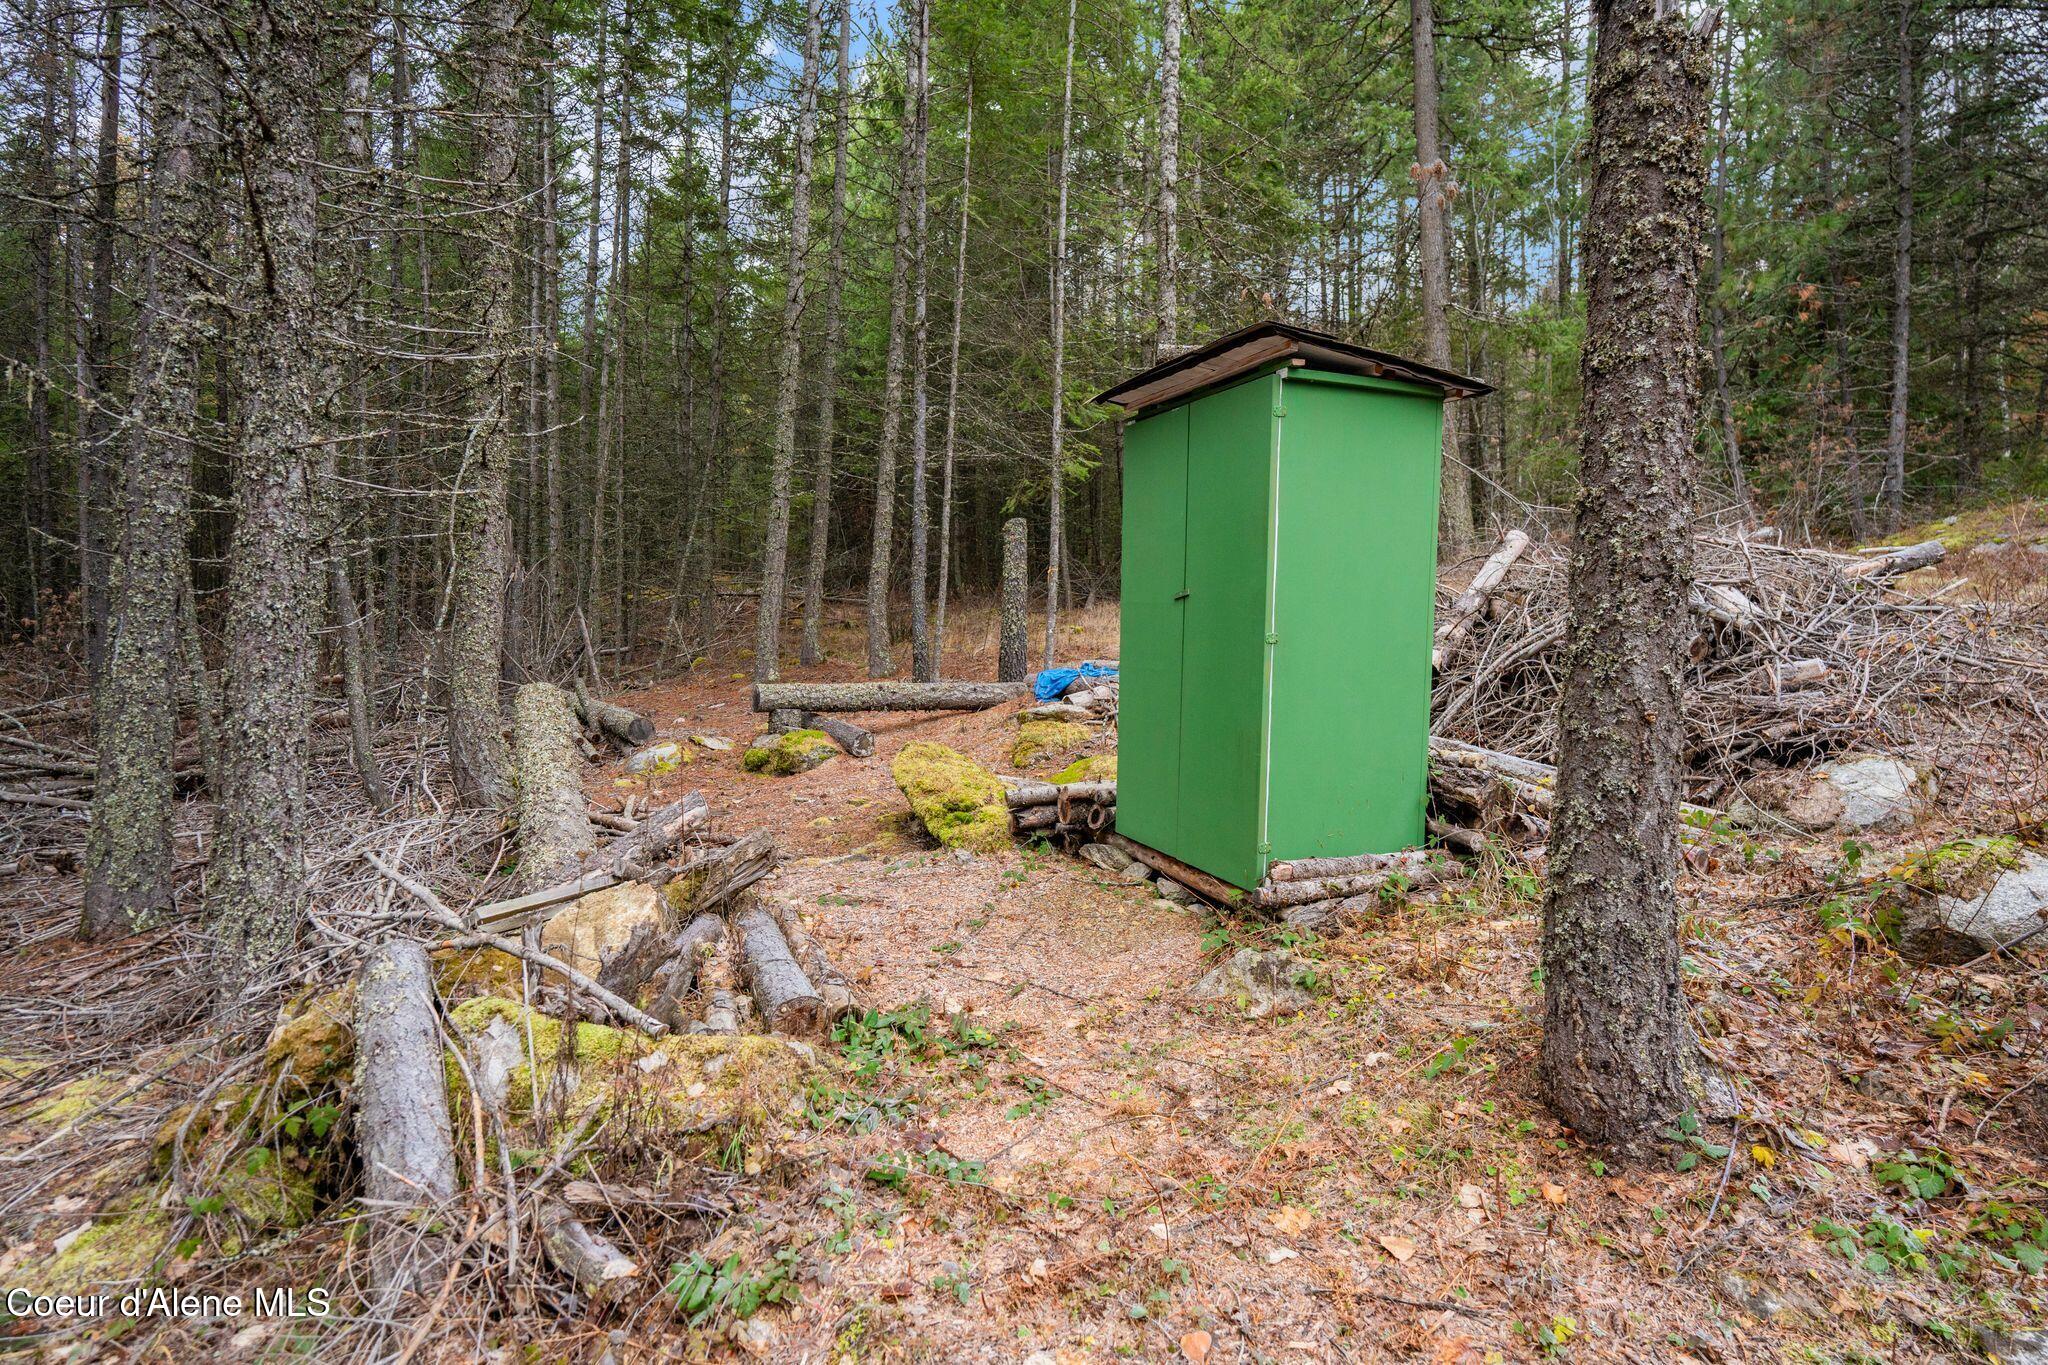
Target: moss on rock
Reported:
point(1038, 739)
point(684, 1086)
point(793, 751)
point(314, 1044)
point(960, 802)
point(466, 970)
point(1964, 868)
point(1091, 768)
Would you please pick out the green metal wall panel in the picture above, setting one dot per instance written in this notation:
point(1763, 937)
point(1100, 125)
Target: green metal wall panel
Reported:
point(1154, 572)
point(1355, 578)
point(1223, 655)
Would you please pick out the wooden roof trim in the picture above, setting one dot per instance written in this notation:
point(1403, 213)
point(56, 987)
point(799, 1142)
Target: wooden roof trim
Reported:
point(1243, 351)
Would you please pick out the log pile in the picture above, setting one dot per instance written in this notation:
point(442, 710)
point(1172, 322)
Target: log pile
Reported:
point(1067, 814)
point(1797, 654)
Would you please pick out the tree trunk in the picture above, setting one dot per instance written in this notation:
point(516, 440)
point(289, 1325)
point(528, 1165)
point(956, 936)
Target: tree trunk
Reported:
point(256, 883)
point(554, 829)
point(882, 537)
point(1902, 272)
point(1165, 323)
point(551, 356)
point(408, 1144)
point(96, 464)
point(128, 848)
point(1454, 516)
point(945, 582)
point(775, 555)
point(812, 651)
point(1012, 659)
point(1055, 532)
point(923, 658)
point(477, 755)
point(1731, 443)
point(1616, 1046)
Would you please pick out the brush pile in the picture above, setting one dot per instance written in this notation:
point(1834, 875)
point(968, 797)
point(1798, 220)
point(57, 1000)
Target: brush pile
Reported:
point(1797, 655)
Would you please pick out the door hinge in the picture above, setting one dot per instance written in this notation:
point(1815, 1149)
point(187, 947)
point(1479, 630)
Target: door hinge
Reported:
point(1181, 596)
point(1279, 409)
point(1273, 638)
point(1266, 847)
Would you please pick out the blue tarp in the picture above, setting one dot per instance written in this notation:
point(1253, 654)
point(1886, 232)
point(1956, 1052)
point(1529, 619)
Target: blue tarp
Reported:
point(1054, 682)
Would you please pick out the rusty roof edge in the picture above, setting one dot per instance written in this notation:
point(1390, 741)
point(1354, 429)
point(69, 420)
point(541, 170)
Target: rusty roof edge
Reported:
point(1456, 385)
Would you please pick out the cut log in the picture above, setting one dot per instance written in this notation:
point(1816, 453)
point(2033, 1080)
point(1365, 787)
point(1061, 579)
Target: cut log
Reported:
point(1279, 895)
point(408, 1146)
point(1789, 673)
point(832, 986)
point(1723, 603)
point(1035, 817)
point(627, 729)
point(721, 1016)
point(1890, 563)
point(784, 719)
point(1193, 878)
point(783, 993)
point(554, 831)
point(600, 1271)
point(848, 736)
point(1471, 602)
point(1022, 791)
point(1358, 864)
point(691, 945)
point(885, 696)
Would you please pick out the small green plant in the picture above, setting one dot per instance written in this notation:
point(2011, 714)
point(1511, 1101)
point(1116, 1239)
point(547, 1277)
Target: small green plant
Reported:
point(1882, 1246)
point(895, 1169)
point(1452, 1056)
point(959, 1283)
point(872, 1037)
point(1038, 1097)
point(1692, 1144)
point(704, 1288)
point(1928, 1175)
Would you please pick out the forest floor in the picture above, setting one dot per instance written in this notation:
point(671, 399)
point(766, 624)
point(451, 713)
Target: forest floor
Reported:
point(1044, 1150)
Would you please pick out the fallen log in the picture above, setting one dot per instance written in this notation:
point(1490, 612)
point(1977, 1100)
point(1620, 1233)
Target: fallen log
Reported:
point(554, 829)
point(720, 875)
point(1193, 878)
point(1022, 791)
point(721, 1016)
point(408, 1145)
point(848, 736)
point(1469, 603)
point(634, 856)
point(600, 1271)
point(1035, 817)
point(625, 728)
point(831, 983)
point(1280, 895)
point(692, 944)
point(1312, 869)
point(884, 696)
point(1890, 563)
point(783, 993)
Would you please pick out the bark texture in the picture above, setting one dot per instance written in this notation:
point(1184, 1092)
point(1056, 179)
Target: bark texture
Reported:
point(554, 830)
point(881, 541)
point(784, 995)
point(1432, 212)
point(1012, 657)
point(257, 880)
point(812, 650)
point(884, 696)
point(1616, 1047)
point(408, 1145)
point(476, 734)
point(128, 850)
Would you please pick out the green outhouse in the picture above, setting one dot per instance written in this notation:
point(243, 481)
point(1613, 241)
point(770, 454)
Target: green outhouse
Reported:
point(1279, 571)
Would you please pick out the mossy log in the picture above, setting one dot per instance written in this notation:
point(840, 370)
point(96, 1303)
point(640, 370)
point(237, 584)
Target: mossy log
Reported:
point(783, 993)
point(886, 695)
point(407, 1143)
point(1891, 563)
point(554, 831)
point(625, 728)
point(848, 736)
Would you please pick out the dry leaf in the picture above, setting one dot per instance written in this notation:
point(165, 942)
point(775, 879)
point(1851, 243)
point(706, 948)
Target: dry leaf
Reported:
point(1292, 1220)
point(1553, 1193)
point(1399, 1247)
point(1195, 1346)
point(1279, 1254)
point(1471, 1196)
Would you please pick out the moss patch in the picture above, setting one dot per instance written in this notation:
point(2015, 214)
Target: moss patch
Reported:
point(115, 1251)
point(314, 1045)
point(1092, 768)
point(684, 1086)
point(794, 751)
point(459, 971)
point(1038, 739)
point(960, 802)
point(1964, 868)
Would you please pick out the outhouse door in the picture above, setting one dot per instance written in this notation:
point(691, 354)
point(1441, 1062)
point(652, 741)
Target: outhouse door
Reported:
point(1196, 597)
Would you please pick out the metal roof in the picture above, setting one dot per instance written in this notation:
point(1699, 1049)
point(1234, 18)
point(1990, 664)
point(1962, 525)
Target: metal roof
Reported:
point(1264, 343)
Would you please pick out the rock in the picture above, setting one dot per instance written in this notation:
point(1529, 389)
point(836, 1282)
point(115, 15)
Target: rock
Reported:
point(592, 929)
point(315, 1047)
point(789, 753)
point(1106, 856)
point(1038, 739)
point(1852, 794)
point(1260, 983)
point(2021, 1346)
point(960, 802)
point(717, 744)
point(658, 758)
point(1317, 917)
point(1987, 893)
point(1172, 890)
point(1761, 1301)
point(1136, 874)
